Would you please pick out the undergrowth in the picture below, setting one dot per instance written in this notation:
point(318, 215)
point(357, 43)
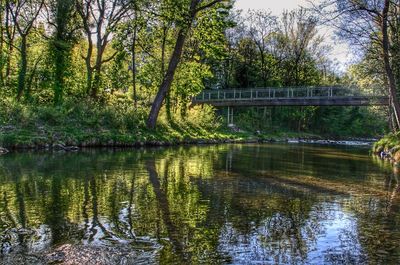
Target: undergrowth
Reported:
point(114, 122)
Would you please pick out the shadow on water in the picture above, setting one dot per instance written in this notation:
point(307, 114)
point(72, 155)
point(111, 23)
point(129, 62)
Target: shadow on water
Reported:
point(228, 204)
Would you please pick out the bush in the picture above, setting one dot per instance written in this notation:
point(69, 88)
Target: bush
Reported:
point(115, 120)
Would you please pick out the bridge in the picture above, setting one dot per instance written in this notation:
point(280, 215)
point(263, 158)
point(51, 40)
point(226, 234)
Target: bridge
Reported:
point(290, 96)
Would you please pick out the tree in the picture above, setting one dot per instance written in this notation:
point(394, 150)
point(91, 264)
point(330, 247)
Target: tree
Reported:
point(195, 7)
point(10, 32)
point(128, 39)
point(368, 25)
point(246, 70)
point(24, 14)
point(100, 19)
point(133, 53)
point(62, 18)
point(300, 45)
point(387, 58)
point(262, 28)
point(2, 30)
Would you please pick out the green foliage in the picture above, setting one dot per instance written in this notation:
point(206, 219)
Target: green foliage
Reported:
point(266, 51)
point(112, 122)
point(223, 50)
point(390, 142)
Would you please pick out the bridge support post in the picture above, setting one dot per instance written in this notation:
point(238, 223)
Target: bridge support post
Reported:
point(230, 116)
point(227, 117)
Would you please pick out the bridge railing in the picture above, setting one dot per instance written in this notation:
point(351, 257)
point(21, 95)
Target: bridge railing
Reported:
point(278, 93)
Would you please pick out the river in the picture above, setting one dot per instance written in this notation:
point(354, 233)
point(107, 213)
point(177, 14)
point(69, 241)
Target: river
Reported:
point(222, 204)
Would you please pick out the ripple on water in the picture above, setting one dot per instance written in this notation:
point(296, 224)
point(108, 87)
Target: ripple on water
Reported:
point(230, 204)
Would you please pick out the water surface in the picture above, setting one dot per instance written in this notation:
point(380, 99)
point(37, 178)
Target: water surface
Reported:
point(226, 204)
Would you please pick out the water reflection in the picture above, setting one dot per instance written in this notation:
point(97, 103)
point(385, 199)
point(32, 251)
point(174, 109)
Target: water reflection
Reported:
point(230, 204)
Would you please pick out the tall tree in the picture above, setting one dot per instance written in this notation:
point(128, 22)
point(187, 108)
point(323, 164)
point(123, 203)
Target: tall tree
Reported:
point(387, 61)
point(24, 14)
point(62, 18)
point(10, 32)
point(2, 43)
point(262, 28)
point(300, 43)
point(135, 24)
point(368, 24)
point(195, 6)
point(100, 19)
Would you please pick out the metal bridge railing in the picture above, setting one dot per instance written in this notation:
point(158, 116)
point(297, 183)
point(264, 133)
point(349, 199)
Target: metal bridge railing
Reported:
point(280, 93)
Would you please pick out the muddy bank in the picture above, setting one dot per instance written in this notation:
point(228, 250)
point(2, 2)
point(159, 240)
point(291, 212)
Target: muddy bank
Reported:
point(67, 147)
point(94, 144)
point(388, 148)
point(392, 155)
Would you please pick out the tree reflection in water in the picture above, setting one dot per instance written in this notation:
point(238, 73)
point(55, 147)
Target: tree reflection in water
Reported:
point(238, 204)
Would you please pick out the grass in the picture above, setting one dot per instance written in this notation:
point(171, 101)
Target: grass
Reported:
point(96, 124)
point(117, 123)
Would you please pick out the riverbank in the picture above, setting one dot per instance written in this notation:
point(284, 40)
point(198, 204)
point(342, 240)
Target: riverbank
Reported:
point(21, 139)
point(94, 124)
point(118, 124)
point(388, 148)
point(218, 137)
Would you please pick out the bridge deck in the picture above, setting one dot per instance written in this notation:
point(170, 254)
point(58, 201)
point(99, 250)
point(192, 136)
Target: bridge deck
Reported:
point(304, 96)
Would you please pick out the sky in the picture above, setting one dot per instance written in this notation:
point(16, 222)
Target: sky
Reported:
point(341, 52)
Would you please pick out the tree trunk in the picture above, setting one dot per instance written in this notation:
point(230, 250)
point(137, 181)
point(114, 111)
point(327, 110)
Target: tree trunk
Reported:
point(388, 67)
point(8, 63)
point(89, 77)
point(173, 64)
point(168, 78)
point(2, 8)
point(59, 63)
point(10, 30)
point(89, 69)
point(263, 70)
point(134, 65)
point(96, 81)
point(168, 98)
point(98, 66)
point(97, 70)
point(31, 77)
point(22, 69)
